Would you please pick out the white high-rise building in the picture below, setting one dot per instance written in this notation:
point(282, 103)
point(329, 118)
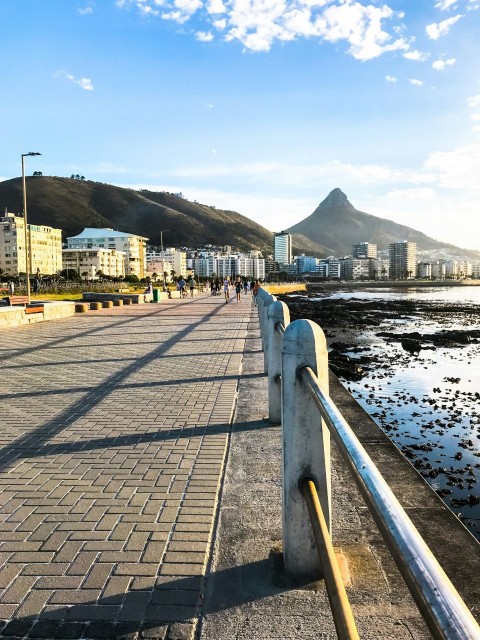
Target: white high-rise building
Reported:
point(282, 248)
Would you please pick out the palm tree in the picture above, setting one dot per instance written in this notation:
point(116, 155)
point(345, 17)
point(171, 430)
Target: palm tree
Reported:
point(155, 276)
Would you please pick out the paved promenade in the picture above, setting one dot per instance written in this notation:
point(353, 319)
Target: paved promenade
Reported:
point(114, 431)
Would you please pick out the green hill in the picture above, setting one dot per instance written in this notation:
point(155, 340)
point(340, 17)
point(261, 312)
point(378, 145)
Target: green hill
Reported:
point(72, 205)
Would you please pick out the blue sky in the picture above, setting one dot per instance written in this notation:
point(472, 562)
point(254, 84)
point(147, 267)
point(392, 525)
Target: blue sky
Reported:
point(261, 106)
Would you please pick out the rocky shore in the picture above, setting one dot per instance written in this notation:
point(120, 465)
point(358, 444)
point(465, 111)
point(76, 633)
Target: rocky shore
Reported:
point(413, 365)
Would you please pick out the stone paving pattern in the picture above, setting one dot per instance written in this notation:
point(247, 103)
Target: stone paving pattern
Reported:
point(114, 427)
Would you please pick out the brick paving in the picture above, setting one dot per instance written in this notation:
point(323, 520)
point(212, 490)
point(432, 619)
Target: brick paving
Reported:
point(114, 427)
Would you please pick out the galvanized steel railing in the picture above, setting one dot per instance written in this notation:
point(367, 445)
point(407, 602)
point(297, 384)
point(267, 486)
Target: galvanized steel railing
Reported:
point(297, 365)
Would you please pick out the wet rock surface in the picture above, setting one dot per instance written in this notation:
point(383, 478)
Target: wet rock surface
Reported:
point(415, 367)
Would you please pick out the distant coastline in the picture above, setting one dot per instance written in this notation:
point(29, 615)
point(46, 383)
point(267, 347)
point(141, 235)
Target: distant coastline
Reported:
point(382, 284)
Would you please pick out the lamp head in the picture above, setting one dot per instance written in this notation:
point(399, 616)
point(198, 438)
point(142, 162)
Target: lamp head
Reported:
point(32, 153)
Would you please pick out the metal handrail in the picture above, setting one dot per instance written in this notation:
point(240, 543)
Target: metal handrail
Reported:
point(341, 611)
point(280, 328)
point(445, 613)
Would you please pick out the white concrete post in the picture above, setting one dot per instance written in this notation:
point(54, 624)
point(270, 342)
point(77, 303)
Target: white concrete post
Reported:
point(267, 301)
point(278, 312)
point(306, 445)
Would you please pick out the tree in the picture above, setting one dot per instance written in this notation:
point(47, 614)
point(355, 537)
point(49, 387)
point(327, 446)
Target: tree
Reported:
point(37, 173)
point(70, 274)
point(85, 275)
point(155, 276)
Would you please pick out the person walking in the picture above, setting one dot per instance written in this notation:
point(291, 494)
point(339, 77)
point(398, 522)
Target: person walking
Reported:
point(255, 288)
point(238, 289)
point(245, 286)
point(192, 286)
point(181, 287)
point(226, 290)
point(11, 287)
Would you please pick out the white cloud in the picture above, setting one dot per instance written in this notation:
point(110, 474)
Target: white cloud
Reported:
point(215, 6)
point(443, 5)
point(418, 56)
point(474, 101)
point(84, 83)
point(438, 29)
point(415, 82)
point(439, 65)
point(475, 117)
point(391, 79)
point(203, 36)
point(457, 169)
point(85, 11)
point(258, 24)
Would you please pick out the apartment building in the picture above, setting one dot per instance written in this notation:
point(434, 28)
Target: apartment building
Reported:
point(364, 250)
point(169, 260)
point(133, 247)
point(403, 260)
point(45, 245)
point(89, 262)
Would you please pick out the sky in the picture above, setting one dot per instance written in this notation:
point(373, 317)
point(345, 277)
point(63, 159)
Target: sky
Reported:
point(259, 106)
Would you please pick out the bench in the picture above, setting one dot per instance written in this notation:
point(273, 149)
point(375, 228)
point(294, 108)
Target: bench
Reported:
point(12, 300)
point(17, 300)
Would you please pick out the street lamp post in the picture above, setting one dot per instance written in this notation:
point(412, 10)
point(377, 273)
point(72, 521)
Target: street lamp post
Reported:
point(28, 263)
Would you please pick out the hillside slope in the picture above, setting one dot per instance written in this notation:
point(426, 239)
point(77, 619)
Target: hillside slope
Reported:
point(72, 205)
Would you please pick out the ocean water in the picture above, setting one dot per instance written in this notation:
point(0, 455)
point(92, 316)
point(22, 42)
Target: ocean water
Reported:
point(428, 404)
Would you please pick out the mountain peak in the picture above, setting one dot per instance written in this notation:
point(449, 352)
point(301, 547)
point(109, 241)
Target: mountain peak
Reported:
point(336, 199)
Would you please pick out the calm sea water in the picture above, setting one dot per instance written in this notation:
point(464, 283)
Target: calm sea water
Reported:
point(429, 405)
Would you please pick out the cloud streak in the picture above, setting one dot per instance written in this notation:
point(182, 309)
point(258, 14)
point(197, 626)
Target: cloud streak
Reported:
point(84, 83)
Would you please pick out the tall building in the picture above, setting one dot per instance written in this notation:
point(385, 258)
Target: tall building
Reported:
point(45, 245)
point(364, 250)
point(282, 248)
point(134, 247)
point(403, 260)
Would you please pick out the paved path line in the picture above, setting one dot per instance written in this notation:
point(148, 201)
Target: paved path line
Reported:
point(114, 431)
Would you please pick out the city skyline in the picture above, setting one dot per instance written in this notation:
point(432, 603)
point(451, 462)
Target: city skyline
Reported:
point(263, 109)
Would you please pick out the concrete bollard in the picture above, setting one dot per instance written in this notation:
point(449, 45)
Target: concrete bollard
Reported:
point(95, 306)
point(267, 301)
point(264, 300)
point(81, 307)
point(107, 304)
point(127, 301)
point(278, 312)
point(118, 302)
point(306, 442)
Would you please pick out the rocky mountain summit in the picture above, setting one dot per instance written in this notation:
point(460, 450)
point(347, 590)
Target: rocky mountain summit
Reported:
point(337, 225)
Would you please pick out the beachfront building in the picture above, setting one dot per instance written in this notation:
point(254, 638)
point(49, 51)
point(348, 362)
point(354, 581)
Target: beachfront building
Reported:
point(403, 260)
point(94, 263)
point(282, 249)
point(306, 264)
point(438, 270)
point(356, 269)
point(364, 250)
point(45, 245)
point(330, 268)
point(133, 247)
point(424, 270)
point(169, 260)
point(476, 270)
